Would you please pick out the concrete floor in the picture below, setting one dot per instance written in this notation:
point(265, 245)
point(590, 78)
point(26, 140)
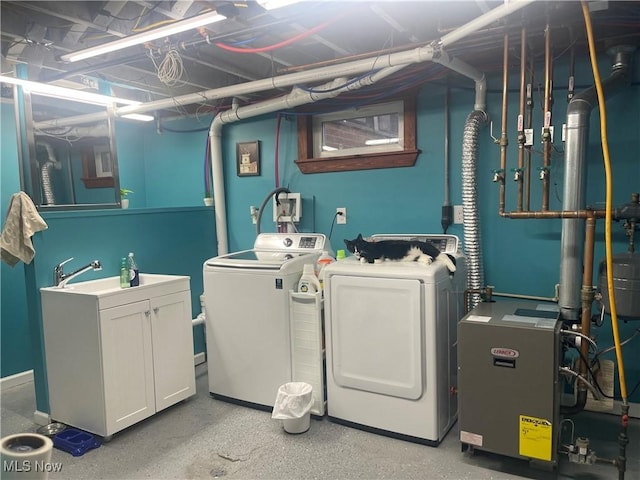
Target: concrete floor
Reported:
point(203, 438)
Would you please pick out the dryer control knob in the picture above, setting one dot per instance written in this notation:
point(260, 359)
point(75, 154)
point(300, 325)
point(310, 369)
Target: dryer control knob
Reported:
point(287, 242)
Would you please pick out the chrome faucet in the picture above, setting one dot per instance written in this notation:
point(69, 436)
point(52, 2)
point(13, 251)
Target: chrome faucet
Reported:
point(60, 278)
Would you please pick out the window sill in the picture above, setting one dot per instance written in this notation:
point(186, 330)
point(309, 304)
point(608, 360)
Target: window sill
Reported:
point(358, 162)
point(98, 182)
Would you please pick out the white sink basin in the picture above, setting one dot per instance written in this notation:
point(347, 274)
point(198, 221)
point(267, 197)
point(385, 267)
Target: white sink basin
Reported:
point(111, 285)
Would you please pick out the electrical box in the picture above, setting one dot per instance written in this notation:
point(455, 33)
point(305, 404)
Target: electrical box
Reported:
point(287, 207)
point(508, 381)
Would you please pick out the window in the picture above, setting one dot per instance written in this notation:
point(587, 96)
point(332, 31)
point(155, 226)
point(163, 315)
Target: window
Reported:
point(372, 129)
point(375, 136)
point(104, 167)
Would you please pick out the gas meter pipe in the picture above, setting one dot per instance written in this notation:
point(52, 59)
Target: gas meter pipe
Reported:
point(521, 138)
point(504, 141)
point(546, 132)
point(622, 437)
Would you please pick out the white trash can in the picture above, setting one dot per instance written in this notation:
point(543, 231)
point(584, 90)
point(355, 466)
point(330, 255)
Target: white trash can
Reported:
point(293, 406)
point(25, 456)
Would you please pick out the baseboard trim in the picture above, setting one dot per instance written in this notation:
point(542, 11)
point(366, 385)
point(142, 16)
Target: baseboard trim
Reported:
point(41, 418)
point(199, 358)
point(17, 379)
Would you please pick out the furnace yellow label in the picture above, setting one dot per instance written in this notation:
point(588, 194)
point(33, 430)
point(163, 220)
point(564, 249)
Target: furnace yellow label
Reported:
point(536, 440)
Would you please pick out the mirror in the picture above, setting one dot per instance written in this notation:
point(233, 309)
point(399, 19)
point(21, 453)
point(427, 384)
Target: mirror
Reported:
point(68, 154)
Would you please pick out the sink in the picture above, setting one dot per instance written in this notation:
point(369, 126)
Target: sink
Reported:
point(111, 285)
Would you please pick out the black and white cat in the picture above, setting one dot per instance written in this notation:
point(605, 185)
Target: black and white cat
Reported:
point(400, 250)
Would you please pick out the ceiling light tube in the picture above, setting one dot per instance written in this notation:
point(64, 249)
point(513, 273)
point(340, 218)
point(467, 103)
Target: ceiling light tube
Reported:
point(177, 27)
point(63, 92)
point(139, 116)
point(274, 4)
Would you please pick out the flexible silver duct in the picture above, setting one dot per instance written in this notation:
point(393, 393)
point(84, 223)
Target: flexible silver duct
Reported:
point(45, 174)
point(47, 182)
point(575, 152)
point(472, 240)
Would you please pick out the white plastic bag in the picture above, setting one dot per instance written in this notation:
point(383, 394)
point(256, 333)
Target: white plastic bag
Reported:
point(294, 400)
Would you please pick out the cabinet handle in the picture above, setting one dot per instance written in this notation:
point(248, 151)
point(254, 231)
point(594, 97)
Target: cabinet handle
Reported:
point(147, 313)
point(156, 309)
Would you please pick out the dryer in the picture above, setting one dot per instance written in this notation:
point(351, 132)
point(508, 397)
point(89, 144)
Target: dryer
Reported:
point(391, 343)
point(247, 315)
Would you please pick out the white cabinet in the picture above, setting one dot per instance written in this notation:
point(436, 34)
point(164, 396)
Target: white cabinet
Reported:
point(117, 356)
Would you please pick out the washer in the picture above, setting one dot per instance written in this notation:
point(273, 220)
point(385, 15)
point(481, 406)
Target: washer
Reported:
point(247, 315)
point(391, 338)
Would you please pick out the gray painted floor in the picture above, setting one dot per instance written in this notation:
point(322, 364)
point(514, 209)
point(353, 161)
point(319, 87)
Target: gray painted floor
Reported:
point(203, 438)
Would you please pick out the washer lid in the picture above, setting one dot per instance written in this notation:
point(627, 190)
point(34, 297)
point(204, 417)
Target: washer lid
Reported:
point(267, 260)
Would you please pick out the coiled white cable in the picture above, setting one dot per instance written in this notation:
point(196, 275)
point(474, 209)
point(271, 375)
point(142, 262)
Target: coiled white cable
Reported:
point(171, 69)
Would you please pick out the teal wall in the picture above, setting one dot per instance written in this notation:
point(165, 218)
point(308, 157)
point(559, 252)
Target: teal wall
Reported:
point(521, 256)
point(170, 241)
point(159, 237)
point(15, 341)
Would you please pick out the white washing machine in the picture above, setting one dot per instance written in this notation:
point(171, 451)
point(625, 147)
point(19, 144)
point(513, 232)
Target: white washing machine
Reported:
point(247, 315)
point(391, 338)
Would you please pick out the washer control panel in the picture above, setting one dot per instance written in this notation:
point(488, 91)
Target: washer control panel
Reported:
point(305, 242)
point(445, 243)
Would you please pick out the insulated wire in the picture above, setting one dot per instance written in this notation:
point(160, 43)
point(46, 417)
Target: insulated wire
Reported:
point(335, 216)
point(607, 168)
point(284, 43)
point(277, 152)
point(622, 344)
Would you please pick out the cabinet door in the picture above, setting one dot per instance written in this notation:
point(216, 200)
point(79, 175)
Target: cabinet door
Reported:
point(127, 363)
point(172, 333)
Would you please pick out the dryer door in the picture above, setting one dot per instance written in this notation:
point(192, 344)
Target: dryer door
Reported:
point(376, 335)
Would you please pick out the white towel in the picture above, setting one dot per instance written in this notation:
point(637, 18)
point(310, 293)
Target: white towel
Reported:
point(23, 220)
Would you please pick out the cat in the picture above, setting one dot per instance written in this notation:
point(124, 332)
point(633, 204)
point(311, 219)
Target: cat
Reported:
point(403, 250)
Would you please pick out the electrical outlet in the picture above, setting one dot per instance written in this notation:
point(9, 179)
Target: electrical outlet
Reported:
point(342, 215)
point(458, 215)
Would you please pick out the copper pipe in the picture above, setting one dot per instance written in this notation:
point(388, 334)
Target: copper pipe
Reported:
point(546, 133)
point(556, 214)
point(503, 136)
point(521, 138)
point(587, 293)
point(529, 126)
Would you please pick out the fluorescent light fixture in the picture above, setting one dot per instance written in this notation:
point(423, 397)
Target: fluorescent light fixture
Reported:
point(382, 141)
point(62, 92)
point(167, 30)
point(273, 4)
point(76, 95)
point(139, 116)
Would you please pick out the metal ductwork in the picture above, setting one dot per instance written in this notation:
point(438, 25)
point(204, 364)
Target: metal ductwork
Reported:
point(46, 181)
point(472, 240)
point(574, 188)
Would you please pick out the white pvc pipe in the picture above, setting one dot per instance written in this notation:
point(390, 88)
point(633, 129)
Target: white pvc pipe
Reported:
point(468, 71)
point(398, 59)
point(482, 21)
point(219, 200)
point(295, 98)
point(199, 320)
point(356, 67)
